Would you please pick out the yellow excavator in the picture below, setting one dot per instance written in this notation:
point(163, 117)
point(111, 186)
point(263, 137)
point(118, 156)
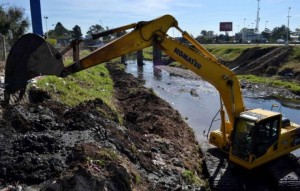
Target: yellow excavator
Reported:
point(250, 137)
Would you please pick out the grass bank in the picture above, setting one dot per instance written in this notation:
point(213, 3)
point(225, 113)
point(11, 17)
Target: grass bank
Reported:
point(88, 84)
point(229, 52)
point(273, 81)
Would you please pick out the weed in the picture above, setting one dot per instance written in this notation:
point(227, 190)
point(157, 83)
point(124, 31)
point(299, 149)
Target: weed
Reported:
point(82, 86)
point(191, 178)
point(137, 178)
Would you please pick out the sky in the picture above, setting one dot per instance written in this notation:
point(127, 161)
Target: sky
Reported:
point(193, 16)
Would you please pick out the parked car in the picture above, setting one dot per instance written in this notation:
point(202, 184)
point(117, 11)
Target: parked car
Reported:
point(264, 40)
point(280, 40)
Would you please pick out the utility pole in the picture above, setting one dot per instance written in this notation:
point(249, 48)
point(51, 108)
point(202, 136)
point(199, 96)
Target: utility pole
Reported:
point(244, 31)
point(288, 28)
point(257, 18)
point(45, 17)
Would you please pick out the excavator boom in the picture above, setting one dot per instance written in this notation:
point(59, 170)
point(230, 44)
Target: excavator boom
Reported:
point(42, 59)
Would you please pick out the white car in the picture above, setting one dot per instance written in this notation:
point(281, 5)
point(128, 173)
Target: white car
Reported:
point(280, 41)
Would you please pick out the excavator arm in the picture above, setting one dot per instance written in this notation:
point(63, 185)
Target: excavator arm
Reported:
point(42, 59)
point(25, 62)
point(141, 37)
point(197, 59)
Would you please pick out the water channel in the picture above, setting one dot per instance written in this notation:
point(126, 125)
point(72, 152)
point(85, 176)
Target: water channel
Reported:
point(199, 107)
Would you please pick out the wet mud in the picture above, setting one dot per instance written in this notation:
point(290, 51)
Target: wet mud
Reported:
point(45, 145)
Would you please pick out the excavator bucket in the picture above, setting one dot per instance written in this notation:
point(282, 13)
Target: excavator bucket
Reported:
point(30, 56)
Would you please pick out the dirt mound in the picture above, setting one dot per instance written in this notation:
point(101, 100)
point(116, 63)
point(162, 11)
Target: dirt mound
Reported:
point(261, 61)
point(87, 148)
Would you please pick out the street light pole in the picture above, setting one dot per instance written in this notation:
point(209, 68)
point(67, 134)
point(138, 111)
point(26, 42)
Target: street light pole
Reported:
point(288, 26)
point(266, 25)
point(257, 18)
point(244, 30)
point(45, 17)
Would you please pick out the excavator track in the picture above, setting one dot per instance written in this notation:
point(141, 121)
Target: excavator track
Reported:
point(279, 175)
point(285, 172)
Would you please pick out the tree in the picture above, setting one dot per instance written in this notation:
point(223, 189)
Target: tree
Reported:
point(94, 29)
point(210, 33)
point(279, 32)
point(204, 39)
point(204, 32)
point(76, 32)
point(207, 33)
point(61, 31)
point(13, 22)
point(266, 35)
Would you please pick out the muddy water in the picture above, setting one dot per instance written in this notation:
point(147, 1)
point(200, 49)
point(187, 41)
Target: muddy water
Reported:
point(196, 100)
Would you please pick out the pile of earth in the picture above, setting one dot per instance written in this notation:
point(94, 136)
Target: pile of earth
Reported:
point(49, 146)
point(264, 62)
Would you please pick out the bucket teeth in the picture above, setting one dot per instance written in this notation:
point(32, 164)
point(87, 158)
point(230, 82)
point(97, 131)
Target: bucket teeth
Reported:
point(30, 56)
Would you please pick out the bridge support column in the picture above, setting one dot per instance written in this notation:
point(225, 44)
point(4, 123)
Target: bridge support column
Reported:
point(123, 59)
point(157, 55)
point(139, 56)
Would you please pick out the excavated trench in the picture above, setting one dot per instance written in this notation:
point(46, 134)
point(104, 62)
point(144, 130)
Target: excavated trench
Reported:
point(50, 146)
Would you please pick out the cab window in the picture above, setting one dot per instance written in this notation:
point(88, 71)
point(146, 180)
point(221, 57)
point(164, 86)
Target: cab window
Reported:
point(242, 138)
point(266, 135)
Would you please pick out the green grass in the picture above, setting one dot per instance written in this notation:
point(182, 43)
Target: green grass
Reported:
point(148, 53)
point(191, 178)
point(102, 156)
point(296, 54)
point(88, 84)
point(293, 86)
point(177, 65)
point(227, 52)
point(82, 86)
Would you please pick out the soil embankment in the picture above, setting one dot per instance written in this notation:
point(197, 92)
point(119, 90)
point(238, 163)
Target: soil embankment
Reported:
point(86, 147)
point(262, 61)
point(266, 62)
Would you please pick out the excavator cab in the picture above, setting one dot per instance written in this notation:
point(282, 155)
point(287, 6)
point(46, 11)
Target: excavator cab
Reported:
point(259, 135)
point(254, 135)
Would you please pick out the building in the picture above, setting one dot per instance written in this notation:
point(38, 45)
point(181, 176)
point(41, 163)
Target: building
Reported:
point(295, 36)
point(249, 35)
